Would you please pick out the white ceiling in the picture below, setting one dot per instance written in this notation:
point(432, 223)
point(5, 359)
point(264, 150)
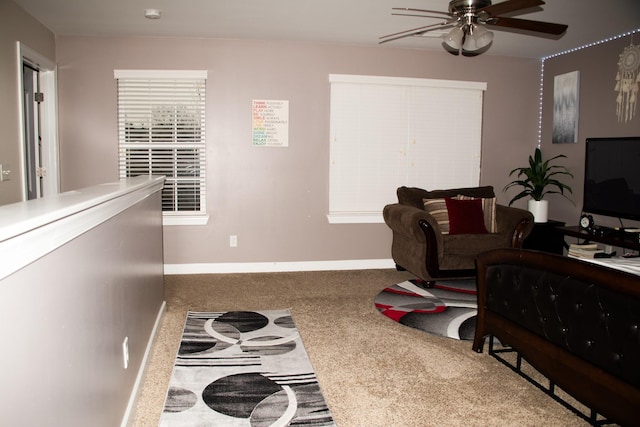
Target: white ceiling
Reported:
point(358, 22)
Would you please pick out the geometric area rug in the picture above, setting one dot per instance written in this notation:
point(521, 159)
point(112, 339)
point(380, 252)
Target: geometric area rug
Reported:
point(243, 368)
point(448, 309)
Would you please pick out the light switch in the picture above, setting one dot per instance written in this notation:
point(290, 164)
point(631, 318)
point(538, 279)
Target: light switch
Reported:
point(5, 173)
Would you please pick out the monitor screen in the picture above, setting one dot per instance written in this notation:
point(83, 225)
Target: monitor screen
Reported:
point(612, 177)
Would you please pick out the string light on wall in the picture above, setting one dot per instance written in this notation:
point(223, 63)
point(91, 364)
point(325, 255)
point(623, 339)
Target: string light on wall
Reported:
point(540, 97)
point(576, 49)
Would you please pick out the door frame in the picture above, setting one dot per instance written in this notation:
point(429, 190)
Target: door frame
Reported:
point(48, 119)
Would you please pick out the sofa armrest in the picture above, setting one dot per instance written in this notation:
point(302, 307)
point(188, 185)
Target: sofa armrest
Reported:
point(515, 222)
point(405, 220)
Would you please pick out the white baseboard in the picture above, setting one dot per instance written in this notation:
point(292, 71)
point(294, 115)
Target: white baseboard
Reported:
point(278, 267)
point(129, 414)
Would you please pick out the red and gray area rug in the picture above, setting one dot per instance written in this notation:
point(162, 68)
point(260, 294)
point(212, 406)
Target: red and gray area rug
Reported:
point(448, 309)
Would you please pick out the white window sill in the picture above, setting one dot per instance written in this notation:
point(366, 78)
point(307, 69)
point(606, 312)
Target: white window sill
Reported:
point(201, 219)
point(356, 218)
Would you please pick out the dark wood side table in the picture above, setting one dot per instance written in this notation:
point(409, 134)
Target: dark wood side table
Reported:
point(546, 237)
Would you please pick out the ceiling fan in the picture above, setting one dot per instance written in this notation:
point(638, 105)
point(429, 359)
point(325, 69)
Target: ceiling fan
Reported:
point(470, 19)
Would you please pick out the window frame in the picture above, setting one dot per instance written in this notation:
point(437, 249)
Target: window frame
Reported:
point(133, 154)
point(367, 122)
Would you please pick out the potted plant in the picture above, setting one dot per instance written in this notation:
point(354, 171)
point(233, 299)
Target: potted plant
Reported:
point(537, 180)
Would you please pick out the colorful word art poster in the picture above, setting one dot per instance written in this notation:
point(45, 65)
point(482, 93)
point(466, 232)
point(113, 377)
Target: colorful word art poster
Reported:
point(270, 124)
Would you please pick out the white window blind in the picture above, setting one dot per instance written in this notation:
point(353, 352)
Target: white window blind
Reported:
point(161, 124)
point(387, 132)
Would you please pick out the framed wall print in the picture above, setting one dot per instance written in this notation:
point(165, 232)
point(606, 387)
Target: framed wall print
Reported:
point(270, 123)
point(566, 89)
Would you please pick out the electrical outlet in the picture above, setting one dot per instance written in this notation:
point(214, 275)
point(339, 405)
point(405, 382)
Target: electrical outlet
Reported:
point(125, 352)
point(233, 241)
point(5, 173)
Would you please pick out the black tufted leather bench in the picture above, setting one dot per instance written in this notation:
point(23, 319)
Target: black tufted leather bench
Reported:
point(576, 323)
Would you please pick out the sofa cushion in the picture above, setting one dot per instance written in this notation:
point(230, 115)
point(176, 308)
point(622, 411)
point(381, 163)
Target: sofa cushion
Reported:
point(413, 196)
point(437, 208)
point(465, 216)
point(462, 249)
point(488, 210)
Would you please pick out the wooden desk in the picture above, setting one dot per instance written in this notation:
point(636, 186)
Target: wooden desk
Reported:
point(618, 239)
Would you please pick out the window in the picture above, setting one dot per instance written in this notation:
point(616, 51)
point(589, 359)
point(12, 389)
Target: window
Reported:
point(387, 132)
point(161, 127)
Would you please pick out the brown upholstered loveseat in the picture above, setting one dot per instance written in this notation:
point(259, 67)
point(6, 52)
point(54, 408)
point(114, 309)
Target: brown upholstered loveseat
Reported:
point(420, 247)
point(577, 323)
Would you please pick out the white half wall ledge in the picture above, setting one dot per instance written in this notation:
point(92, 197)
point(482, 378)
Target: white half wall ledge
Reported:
point(279, 267)
point(30, 230)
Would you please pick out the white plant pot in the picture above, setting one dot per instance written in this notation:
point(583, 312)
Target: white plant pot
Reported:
point(539, 209)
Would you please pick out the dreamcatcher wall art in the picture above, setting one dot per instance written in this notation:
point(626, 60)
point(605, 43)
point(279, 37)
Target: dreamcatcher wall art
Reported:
point(627, 83)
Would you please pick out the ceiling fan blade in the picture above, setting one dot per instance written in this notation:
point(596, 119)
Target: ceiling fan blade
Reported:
point(408, 33)
point(410, 9)
point(417, 16)
point(525, 24)
point(510, 6)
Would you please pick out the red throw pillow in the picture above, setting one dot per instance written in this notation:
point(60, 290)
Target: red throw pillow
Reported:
point(465, 216)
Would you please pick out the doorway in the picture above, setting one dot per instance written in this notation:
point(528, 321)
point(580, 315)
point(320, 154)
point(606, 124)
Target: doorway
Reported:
point(32, 149)
point(40, 172)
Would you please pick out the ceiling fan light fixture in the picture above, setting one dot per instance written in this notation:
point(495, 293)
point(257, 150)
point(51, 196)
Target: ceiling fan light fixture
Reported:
point(469, 44)
point(454, 38)
point(482, 36)
point(470, 19)
point(476, 38)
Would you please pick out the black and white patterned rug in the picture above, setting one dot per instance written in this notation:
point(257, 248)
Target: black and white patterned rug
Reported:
point(448, 309)
point(243, 368)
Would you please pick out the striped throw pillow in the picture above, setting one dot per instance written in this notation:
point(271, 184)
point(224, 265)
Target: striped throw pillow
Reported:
point(437, 208)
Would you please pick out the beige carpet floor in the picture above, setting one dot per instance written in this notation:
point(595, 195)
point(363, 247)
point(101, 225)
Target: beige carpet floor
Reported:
point(372, 370)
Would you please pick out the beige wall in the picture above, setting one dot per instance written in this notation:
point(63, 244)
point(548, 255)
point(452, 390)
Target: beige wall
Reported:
point(65, 315)
point(274, 199)
point(15, 25)
point(598, 66)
